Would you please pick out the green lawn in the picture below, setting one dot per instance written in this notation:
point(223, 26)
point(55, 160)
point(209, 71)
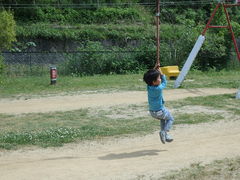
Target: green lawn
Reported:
point(27, 86)
point(226, 79)
point(30, 86)
point(57, 128)
point(226, 102)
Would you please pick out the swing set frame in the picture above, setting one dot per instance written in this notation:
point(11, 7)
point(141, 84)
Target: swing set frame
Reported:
point(228, 26)
point(201, 40)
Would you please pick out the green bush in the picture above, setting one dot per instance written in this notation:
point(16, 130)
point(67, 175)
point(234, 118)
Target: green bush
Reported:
point(85, 16)
point(91, 32)
point(95, 59)
point(176, 42)
point(56, 15)
point(7, 29)
point(180, 15)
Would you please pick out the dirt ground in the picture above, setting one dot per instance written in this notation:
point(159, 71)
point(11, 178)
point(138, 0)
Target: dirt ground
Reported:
point(142, 157)
point(73, 102)
point(125, 158)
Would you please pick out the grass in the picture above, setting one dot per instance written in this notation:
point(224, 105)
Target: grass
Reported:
point(226, 102)
point(220, 169)
point(39, 85)
point(213, 79)
point(27, 86)
point(58, 128)
point(54, 129)
point(196, 118)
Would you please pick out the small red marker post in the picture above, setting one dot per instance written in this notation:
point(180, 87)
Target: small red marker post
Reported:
point(53, 75)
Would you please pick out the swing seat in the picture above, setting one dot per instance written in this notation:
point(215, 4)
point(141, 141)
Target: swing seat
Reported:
point(170, 71)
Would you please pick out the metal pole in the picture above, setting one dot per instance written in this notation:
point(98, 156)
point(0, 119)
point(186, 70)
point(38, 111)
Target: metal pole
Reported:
point(231, 5)
point(238, 94)
point(158, 33)
point(211, 18)
point(231, 31)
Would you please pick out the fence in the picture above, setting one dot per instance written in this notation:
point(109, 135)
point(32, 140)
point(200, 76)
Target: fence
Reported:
point(38, 63)
point(30, 63)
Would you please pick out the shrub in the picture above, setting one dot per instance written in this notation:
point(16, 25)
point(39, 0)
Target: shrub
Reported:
point(7, 28)
point(95, 59)
point(85, 16)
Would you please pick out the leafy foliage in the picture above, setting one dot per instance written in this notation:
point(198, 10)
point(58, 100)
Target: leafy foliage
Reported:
point(86, 32)
point(179, 30)
point(95, 60)
point(7, 28)
point(85, 16)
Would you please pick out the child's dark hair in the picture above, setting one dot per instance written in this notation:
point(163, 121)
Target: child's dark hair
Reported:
point(150, 76)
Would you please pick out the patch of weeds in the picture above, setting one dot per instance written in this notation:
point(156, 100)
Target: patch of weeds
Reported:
point(225, 102)
point(220, 169)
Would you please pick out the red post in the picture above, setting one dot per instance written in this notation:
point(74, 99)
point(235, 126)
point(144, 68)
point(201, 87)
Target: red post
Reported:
point(232, 33)
point(229, 26)
point(211, 18)
point(231, 5)
point(53, 75)
point(218, 26)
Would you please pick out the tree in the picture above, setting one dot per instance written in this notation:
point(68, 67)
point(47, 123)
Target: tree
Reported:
point(7, 29)
point(7, 34)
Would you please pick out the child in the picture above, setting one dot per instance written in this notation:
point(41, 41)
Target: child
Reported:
point(156, 82)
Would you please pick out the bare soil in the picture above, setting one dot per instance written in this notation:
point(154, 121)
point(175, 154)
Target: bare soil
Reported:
point(125, 158)
point(143, 157)
point(74, 102)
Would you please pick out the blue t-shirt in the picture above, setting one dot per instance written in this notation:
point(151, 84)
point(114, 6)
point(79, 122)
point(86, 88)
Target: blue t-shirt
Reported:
point(155, 95)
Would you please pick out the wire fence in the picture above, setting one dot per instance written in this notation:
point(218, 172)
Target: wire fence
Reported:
point(38, 63)
point(30, 63)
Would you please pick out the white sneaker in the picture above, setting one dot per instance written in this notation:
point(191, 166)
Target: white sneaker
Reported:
point(162, 135)
point(168, 138)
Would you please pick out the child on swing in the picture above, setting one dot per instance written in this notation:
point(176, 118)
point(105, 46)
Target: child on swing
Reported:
point(156, 82)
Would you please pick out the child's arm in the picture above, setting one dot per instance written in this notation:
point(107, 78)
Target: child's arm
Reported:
point(164, 81)
point(163, 77)
point(157, 67)
point(160, 87)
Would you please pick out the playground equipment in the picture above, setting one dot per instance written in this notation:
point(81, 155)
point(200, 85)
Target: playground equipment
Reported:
point(158, 33)
point(238, 94)
point(170, 71)
point(201, 39)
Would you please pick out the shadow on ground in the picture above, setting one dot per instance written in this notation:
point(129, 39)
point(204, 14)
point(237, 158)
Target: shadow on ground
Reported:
point(131, 154)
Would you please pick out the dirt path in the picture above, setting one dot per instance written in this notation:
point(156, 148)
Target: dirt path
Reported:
point(67, 103)
point(125, 158)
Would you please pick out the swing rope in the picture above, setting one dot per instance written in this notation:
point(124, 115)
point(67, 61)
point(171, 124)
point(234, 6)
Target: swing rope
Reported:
point(157, 65)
